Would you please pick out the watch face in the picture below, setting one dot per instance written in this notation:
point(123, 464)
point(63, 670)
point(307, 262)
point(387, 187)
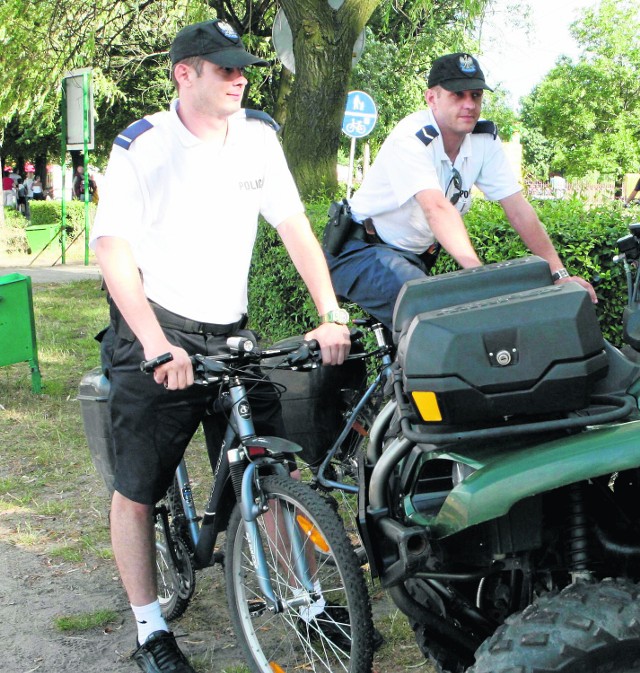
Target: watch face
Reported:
point(341, 316)
point(338, 315)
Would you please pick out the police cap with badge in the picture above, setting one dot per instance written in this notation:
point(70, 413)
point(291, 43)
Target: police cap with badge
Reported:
point(457, 72)
point(214, 41)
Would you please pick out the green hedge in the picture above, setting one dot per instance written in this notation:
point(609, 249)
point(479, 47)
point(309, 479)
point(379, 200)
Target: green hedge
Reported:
point(280, 306)
point(50, 212)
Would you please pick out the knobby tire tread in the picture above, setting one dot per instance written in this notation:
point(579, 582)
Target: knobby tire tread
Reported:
point(586, 628)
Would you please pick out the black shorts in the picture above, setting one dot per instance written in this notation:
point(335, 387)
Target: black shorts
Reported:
point(152, 426)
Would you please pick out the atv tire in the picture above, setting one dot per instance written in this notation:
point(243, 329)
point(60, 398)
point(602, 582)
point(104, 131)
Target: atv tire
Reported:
point(586, 628)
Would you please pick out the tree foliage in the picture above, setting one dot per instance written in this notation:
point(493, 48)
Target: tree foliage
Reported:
point(583, 117)
point(126, 44)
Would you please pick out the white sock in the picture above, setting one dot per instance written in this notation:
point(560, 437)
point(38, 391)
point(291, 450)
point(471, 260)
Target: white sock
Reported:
point(309, 612)
point(148, 619)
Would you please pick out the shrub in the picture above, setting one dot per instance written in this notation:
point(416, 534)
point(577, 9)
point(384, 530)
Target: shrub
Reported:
point(585, 238)
point(12, 237)
point(50, 212)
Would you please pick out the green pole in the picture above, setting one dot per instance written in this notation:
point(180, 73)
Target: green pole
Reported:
point(63, 170)
point(85, 123)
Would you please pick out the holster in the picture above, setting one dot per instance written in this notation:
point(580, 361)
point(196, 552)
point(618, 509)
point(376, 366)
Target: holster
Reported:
point(338, 227)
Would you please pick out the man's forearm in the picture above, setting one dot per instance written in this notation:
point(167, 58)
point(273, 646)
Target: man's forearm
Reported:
point(307, 257)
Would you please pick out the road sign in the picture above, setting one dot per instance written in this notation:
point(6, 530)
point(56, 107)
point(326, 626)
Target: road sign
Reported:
point(360, 115)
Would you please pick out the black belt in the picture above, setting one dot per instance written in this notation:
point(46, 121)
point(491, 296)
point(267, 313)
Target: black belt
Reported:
point(172, 320)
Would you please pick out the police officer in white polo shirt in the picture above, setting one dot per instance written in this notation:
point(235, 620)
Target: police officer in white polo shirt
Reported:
point(411, 200)
point(176, 270)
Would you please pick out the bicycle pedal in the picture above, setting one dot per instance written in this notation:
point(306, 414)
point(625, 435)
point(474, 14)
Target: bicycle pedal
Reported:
point(257, 607)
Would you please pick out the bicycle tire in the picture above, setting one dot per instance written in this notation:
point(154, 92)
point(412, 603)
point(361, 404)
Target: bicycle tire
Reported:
point(285, 641)
point(175, 585)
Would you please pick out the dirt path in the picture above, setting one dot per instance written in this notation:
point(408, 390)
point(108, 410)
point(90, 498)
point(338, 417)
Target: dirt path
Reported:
point(34, 592)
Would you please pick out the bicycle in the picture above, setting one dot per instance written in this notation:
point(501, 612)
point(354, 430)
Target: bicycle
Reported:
point(295, 589)
point(335, 474)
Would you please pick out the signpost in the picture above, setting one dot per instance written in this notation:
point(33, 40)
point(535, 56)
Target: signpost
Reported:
point(77, 134)
point(359, 120)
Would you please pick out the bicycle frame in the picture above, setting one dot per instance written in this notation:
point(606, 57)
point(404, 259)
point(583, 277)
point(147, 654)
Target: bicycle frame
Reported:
point(236, 463)
point(378, 382)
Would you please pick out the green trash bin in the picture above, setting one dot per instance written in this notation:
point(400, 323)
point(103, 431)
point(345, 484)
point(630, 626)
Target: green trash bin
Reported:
point(17, 325)
point(40, 236)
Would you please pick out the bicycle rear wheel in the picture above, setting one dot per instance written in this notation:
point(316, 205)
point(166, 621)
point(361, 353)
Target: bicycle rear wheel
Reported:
point(176, 582)
point(334, 633)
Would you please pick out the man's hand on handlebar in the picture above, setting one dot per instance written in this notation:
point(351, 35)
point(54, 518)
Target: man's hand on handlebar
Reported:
point(334, 342)
point(175, 374)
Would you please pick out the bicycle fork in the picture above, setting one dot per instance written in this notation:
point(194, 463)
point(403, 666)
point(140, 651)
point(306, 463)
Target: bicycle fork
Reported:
point(244, 478)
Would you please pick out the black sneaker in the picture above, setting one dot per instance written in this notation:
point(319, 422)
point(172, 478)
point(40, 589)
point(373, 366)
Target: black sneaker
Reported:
point(160, 654)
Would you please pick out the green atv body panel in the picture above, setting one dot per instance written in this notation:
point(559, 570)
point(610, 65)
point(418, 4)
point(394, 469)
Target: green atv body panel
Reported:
point(506, 473)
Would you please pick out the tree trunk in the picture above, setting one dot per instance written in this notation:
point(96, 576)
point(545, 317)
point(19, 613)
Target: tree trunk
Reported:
point(323, 41)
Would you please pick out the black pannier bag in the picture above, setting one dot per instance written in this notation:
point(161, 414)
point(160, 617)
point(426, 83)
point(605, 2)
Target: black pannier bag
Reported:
point(527, 353)
point(315, 400)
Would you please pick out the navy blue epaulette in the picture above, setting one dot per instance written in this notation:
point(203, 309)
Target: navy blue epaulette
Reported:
point(133, 131)
point(262, 116)
point(427, 133)
point(486, 126)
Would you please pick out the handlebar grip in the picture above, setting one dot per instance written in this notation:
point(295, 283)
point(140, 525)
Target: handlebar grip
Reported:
point(147, 366)
point(308, 350)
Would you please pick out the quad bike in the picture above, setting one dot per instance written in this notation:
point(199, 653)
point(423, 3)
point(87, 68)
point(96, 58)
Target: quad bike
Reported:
point(499, 498)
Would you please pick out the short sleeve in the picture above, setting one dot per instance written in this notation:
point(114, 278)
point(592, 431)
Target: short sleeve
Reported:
point(281, 199)
point(410, 168)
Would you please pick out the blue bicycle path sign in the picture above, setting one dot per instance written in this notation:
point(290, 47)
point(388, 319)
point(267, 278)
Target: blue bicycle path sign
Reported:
point(360, 115)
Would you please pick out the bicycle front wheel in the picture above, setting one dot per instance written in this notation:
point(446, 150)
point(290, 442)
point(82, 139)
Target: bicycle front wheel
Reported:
point(328, 629)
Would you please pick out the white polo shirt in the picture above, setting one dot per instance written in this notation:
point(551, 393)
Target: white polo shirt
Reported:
point(189, 209)
point(405, 166)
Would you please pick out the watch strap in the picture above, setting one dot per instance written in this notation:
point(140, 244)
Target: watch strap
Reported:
point(559, 275)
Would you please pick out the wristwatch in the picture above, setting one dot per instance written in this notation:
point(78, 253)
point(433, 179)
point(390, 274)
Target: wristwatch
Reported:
point(338, 315)
point(559, 275)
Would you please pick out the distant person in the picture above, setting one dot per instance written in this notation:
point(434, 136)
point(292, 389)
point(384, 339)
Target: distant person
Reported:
point(28, 181)
point(77, 186)
point(412, 199)
point(8, 195)
point(558, 185)
point(21, 198)
point(37, 190)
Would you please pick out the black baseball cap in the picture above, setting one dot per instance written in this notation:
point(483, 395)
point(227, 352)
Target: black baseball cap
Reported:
point(457, 72)
point(215, 41)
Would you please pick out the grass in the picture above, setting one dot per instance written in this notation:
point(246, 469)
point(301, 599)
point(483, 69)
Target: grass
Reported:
point(48, 485)
point(86, 621)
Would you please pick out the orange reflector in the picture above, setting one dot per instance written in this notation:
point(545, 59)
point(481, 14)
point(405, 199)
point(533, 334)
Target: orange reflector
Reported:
point(427, 405)
point(312, 533)
point(275, 668)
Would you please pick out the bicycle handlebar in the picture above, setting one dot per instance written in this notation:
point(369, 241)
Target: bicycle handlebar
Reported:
point(243, 351)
